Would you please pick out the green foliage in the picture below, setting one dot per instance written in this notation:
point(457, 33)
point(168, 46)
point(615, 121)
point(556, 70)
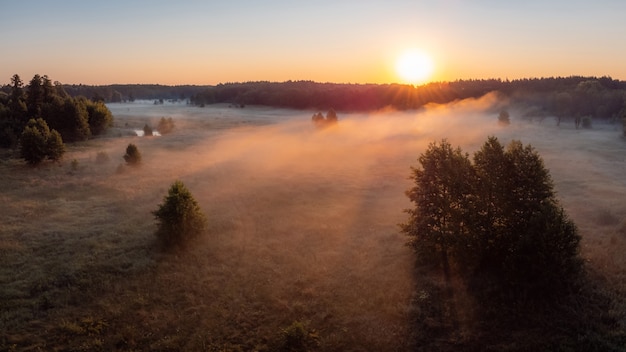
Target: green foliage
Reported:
point(76, 119)
point(39, 143)
point(165, 126)
point(497, 217)
point(132, 156)
point(99, 116)
point(55, 145)
point(179, 217)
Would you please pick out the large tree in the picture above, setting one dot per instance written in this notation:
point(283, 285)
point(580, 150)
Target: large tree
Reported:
point(497, 216)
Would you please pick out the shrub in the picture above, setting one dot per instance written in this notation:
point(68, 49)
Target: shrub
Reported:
point(179, 217)
point(132, 156)
point(147, 131)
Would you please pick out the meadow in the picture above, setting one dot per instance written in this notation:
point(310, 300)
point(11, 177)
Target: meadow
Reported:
point(303, 227)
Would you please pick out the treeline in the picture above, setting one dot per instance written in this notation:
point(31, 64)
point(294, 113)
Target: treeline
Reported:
point(562, 97)
point(74, 118)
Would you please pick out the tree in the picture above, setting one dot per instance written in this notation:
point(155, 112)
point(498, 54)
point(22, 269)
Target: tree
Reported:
point(98, 116)
point(179, 217)
point(165, 126)
point(147, 131)
point(498, 216)
point(38, 142)
point(331, 116)
point(55, 146)
point(443, 186)
point(132, 156)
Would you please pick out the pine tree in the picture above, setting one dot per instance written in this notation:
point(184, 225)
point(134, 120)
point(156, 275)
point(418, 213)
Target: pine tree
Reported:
point(179, 216)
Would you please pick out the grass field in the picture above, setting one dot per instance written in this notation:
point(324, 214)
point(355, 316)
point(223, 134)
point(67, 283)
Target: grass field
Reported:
point(302, 229)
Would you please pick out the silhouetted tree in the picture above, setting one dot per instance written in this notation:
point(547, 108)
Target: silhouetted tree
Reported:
point(132, 156)
point(147, 130)
point(497, 216)
point(443, 186)
point(179, 217)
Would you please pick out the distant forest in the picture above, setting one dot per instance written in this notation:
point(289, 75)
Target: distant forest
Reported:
point(562, 97)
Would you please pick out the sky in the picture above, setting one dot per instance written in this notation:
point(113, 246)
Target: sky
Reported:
point(342, 41)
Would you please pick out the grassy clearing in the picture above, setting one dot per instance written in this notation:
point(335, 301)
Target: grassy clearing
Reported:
point(302, 233)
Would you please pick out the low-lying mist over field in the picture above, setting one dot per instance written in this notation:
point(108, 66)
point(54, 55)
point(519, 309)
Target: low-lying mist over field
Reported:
point(302, 222)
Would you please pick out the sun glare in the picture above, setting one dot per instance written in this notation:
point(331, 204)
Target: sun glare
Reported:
point(414, 67)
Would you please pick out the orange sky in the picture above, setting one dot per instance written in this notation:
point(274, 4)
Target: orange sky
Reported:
point(200, 42)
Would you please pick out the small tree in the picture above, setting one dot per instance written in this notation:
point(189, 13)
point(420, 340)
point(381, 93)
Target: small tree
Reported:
point(147, 131)
point(132, 156)
point(179, 216)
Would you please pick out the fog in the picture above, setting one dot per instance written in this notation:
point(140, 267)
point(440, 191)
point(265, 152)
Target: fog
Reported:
point(305, 220)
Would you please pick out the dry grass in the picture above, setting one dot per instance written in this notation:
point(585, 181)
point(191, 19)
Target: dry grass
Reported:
point(302, 228)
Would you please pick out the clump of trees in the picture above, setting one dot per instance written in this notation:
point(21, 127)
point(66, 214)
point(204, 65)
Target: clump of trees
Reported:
point(179, 217)
point(38, 142)
point(320, 121)
point(494, 218)
point(132, 156)
point(75, 118)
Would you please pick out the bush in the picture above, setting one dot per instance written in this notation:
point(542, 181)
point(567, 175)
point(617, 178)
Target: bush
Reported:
point(179, 217)
point(147, 131)
point(132, 156)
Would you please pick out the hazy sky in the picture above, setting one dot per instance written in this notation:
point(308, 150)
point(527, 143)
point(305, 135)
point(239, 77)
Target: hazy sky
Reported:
point(208, 42)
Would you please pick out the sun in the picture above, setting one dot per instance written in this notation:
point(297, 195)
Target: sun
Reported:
point(414, 67)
